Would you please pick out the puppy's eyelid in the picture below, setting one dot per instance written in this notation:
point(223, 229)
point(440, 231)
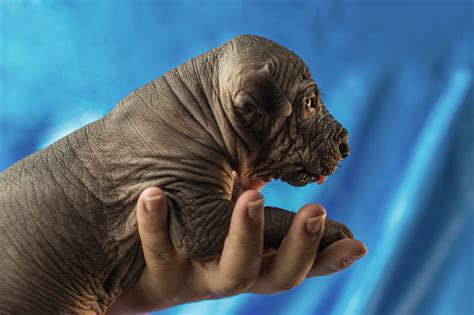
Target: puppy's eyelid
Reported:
point(311, 102)
point(319, 93)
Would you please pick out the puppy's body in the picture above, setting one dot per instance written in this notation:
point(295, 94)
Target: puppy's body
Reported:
point(241, 107)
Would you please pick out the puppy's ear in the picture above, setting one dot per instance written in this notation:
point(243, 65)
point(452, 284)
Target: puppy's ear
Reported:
point(259, 92)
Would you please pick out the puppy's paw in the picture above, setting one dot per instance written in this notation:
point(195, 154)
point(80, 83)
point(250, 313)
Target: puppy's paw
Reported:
point(334, 231)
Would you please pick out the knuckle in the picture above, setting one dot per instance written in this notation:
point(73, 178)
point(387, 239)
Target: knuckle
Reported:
point(309, 252)
point(287, 285)
point(161, 257)
point(231, 286)
point(244, 241)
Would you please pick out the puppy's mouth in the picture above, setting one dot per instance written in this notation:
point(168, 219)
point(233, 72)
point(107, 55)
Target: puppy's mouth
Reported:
point(303, 177)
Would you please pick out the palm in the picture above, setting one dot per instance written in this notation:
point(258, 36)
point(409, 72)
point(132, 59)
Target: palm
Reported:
point(170, 278)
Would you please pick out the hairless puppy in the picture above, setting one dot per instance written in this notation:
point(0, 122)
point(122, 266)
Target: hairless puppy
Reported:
point(69, 240)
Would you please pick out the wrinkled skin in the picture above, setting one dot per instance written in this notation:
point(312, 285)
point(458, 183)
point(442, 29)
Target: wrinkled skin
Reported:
point(69, 240)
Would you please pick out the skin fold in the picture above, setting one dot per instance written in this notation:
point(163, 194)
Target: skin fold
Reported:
point(248, 110)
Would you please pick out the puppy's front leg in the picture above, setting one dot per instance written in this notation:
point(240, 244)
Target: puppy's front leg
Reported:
point(199, 228)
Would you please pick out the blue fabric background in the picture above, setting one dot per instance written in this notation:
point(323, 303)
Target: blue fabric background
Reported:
point(398, 75)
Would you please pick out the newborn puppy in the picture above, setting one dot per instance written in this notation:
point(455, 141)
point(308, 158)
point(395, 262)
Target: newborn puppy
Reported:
point(249, 106)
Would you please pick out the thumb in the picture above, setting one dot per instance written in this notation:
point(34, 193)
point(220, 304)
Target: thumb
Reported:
point(152, 216)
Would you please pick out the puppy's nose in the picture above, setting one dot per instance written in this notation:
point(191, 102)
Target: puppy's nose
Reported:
point(343, 143)
point(344, 149)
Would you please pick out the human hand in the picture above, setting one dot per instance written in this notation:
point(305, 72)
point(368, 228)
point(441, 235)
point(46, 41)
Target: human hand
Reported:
point(170, 279)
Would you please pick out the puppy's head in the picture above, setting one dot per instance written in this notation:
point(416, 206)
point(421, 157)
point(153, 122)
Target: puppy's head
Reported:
point(276, 103)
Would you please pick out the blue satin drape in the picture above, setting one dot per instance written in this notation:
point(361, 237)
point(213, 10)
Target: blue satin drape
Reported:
point(398, 75)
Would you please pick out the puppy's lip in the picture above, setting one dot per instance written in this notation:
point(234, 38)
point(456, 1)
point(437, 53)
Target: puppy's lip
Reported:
point(321, 179)
point(300, 177)
point(267, 178)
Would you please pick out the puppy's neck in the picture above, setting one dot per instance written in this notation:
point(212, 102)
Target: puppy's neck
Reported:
point(211, 107)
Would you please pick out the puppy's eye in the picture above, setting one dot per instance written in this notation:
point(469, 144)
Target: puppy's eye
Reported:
point(310, 102)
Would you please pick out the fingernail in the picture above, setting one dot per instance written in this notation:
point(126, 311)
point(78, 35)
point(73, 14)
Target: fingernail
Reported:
point(314, 225)
point(254, 209)
point(153, 204)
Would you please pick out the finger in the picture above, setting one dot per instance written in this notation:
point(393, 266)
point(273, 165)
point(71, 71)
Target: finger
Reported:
point(297, 252)
point(240, 261)
point(338, 256)
point(152, 219)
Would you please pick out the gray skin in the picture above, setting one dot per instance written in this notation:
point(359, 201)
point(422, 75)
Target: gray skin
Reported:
point(69, 240)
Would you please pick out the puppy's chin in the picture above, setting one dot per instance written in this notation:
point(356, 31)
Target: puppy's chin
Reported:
point(300, 178)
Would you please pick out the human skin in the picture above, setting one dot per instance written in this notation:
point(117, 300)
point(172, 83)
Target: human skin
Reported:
point(70, 239)
point(170, 278)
